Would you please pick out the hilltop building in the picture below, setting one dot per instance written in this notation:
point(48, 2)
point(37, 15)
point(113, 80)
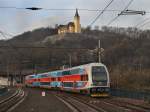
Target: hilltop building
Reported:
point(71, 27)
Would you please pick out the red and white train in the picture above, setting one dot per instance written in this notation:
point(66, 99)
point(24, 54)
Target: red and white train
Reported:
point(91, 79)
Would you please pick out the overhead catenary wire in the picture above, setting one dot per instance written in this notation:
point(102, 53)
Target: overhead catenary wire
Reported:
point(5, 33)
point(81, 9)
point(55, 9)
point(61, 9)
point(97, 17)
point(141, 22)
point(142, 25)
point(111, 21)
point(128, 5)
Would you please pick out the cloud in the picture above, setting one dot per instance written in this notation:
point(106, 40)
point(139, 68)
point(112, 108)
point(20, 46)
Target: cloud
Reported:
point(47, 22)
point(22, 19)
point(50, 21)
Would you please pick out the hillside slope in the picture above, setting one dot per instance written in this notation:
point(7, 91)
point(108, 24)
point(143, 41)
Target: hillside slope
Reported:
point(126, 52)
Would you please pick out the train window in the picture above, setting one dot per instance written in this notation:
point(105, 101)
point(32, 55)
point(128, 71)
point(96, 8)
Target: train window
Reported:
point(44, 75)
point(79, 84)
point(53, 74)
point(66, 72)
point(49, 73)
point(75, 71)
point(56, 84)
point(31, 77)
point(68, 84)
point(59, 73)
point(98, 69)
point(99, 73)
point(44, 83)
point(82, 71)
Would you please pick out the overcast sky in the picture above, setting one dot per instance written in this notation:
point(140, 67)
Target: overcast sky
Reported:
point(17, 21)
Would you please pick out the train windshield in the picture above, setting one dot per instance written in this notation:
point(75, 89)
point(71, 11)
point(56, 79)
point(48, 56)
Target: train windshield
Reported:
point(99, 74)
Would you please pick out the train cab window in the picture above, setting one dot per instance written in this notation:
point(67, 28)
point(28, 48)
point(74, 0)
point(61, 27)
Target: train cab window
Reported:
point(99, 73)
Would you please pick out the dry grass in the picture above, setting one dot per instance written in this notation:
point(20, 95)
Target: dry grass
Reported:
point(130, 79)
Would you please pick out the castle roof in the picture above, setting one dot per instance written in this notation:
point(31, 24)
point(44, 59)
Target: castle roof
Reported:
point(77, 14)
point(62, 26)
point(70, 24)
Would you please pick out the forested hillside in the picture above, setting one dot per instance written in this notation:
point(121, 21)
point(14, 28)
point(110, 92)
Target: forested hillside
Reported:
point(126, 52)
point(31, 37)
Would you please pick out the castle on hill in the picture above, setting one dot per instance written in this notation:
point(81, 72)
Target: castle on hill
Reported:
point(71, 27)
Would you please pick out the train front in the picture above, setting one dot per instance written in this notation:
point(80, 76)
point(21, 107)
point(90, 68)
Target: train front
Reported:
point(100, 85)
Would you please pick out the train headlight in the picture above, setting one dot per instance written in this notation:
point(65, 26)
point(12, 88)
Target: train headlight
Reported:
point(99, 89)
point(93, 89)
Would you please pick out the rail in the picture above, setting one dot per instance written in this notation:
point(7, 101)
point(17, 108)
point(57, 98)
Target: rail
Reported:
point(8, 103)
point(99, 104)
point(78, 106)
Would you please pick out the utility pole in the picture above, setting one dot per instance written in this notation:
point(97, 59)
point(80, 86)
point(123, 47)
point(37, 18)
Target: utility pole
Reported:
point(70, 63)
point(35, 69)
point(7, 69)
point(99, 51)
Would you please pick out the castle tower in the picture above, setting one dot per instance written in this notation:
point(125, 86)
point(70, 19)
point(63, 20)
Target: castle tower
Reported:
point(77, 22)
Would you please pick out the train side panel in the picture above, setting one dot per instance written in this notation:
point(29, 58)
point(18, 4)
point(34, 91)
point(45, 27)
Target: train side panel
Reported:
point(92, 79)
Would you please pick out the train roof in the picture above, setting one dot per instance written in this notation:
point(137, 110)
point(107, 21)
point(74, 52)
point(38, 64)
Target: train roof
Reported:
point(85, 65)
point(81, 66)
point(30, 75)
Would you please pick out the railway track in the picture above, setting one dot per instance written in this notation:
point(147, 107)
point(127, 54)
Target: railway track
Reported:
point(93, 103)
point(118, 106)
point(78, 106)
point(106, 107)
point(103, 104)
point(11, 102)
point(131, 107)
